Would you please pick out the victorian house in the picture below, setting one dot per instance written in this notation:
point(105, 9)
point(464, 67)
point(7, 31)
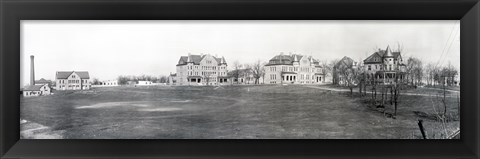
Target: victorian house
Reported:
point(293, 69)
point(201, 70)
point(384, 66)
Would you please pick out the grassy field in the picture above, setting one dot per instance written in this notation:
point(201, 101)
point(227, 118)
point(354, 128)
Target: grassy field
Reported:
point(234, 112)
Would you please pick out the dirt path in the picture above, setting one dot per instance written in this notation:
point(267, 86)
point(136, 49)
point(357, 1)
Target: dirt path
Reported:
point(448, 90)
point(368, 92)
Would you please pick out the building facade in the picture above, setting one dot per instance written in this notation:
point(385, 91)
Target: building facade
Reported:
point(37, 90)
point(172, 79)
point(109, 83)
point(201, 70)
point(384, 66)
point(293, 69)
point(72, 80)
point(144, 83)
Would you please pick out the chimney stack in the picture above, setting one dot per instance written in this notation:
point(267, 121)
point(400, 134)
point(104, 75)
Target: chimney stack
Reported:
point(32, 71)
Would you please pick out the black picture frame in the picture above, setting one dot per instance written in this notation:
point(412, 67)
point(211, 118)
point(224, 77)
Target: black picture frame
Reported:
point(12, 11)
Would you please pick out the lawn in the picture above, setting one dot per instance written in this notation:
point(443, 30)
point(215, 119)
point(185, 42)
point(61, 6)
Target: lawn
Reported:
point(233, 112)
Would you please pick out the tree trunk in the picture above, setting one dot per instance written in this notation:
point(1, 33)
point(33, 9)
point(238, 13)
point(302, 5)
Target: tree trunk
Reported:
point(396, 98)
point(444, 101)
point(360, 88)
point(391, 95)
point(351, 89)
point(383, 94)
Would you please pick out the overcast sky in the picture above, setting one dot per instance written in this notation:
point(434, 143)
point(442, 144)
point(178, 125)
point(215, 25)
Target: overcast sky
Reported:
point(108, 49)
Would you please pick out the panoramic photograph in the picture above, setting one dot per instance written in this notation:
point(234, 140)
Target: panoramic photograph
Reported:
point(240, 79)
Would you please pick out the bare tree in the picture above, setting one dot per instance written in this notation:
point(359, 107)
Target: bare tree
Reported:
point(123, 80)
point(236, 70)
point(163, 79)
point(258, 71)
point(349, 73)
point(414, 70)
point(449, 73)
point(429, 73)
point(327, 68)
point(333, 70)
point(95, 81)
point(263, 69)
point(206, 77)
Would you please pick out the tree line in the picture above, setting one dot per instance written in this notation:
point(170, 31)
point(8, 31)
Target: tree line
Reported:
point(124, 79)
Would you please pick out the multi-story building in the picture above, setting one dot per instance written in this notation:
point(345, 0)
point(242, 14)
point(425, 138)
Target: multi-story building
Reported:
point(201, 70)
point(384, 66)
point(72, 80)
point(293, 69)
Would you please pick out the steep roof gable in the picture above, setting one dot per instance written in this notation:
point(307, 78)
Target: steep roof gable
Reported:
point(196, 59)
point(33, 87)
point(382, 54)
point(345, 61)
point(66, 74)
point(372, 58)
point(290, 59)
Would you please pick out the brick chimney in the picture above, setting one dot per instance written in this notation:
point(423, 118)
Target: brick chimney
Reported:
point(32, 71)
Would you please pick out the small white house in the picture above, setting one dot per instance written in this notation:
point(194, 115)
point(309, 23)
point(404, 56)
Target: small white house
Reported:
point(36, 90)
point(109, 83)
point(144, 83)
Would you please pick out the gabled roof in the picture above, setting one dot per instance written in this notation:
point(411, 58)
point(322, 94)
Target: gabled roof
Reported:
point(33, 88)
point(289, 59)
point(66, 74)
point(42, 80)
point(382, 54)
point(196, 59)
point(345, 61)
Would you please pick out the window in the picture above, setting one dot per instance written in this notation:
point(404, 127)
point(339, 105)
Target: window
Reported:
point(369, 67)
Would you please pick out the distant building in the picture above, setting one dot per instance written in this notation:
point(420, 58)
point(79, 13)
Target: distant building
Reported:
point(172, 79)
point(109, 83)
point(337, 76)
point(384, 66)
point(293, 69)
point(36, 90)
point(245, 76)
point(72, 80)
point(201, 70)
point(43, 81)
point(144, 83)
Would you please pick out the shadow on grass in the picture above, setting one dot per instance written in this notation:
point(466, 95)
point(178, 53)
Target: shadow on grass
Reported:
point(435, 117)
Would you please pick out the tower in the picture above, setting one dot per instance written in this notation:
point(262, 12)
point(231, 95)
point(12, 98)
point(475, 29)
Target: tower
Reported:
point(32, 71)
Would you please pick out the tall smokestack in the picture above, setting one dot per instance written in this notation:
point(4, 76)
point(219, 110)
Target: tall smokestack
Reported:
point(32, 71)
